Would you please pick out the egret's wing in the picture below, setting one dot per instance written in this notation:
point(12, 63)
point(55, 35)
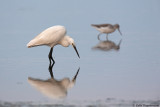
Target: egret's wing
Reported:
point(49, 36)
point(50, 88)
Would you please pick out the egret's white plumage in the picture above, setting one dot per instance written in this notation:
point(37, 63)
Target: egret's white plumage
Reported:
point(53, 36)
point(52, 87)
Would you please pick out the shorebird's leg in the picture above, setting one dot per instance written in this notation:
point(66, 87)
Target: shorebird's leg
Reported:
point(118, 46)
point(99, 35)
point(107, 36)
point(50, 70)
point(50, 56)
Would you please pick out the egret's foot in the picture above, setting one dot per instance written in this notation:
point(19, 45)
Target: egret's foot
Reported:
point(50, 56)
point(51, 60)
point(50, 70)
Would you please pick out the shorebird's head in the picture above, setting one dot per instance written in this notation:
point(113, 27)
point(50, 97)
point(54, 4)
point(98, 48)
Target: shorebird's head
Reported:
point(71, 42)
point(116, 26)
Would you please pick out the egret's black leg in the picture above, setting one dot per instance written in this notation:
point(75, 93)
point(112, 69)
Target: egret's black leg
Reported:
point(50, 70)
point(50, 56)
point(99, 35)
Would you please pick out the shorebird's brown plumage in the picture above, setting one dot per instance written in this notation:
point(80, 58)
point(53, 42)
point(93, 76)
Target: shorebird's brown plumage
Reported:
point(106, 28)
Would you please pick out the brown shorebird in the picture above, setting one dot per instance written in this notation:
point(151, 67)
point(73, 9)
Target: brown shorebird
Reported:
point(106, 28)
point(107, 45)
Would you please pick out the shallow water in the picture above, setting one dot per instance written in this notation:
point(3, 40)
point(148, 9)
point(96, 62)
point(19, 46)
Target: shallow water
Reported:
point(124, 68)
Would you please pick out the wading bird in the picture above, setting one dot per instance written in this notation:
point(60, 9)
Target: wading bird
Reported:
point(107, 45)
point(106, 28)
point(55, 35)
point(52, 87)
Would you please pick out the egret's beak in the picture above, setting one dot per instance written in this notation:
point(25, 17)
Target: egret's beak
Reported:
point(119, 31)
point(74, 78)
point(75, 49)
point(72, 83)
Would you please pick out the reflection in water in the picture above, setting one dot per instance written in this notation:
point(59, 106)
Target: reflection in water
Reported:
point(107, 45)
point(53, 88)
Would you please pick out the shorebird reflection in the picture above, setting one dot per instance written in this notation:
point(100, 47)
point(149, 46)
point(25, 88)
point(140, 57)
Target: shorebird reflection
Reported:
point(107, 45)
point(53, 88)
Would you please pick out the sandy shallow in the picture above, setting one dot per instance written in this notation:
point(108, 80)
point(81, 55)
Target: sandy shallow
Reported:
point(109, 102)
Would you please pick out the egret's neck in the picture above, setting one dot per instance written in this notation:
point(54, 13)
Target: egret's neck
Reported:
point(64, 41)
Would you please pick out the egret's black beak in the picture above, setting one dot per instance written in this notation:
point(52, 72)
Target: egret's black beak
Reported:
point(119, 31)
point(75, 49)
point(74, 78)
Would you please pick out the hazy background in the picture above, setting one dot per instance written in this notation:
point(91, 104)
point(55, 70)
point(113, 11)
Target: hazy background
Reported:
point(133, 72)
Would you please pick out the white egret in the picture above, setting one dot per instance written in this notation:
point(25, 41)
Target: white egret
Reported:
point(106, 28)
point(52, 87)
point(55, 35)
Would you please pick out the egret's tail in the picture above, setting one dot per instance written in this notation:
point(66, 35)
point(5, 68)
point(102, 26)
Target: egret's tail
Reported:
point(32, 43)
point(29, 45)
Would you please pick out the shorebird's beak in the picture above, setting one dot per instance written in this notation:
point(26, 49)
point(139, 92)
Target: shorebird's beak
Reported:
point(119, 31)
point(75, 49)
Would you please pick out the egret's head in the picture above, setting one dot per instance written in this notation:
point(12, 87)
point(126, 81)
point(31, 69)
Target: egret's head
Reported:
point(73, 81)
point(71, 42)
point(66, 41)
point(117, 27)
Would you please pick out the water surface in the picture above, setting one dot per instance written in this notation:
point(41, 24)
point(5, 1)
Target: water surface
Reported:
point(127, 69)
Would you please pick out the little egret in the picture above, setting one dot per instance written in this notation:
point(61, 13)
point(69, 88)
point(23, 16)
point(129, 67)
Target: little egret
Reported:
point(106, 28)
point(54, 88)
point(55, 35)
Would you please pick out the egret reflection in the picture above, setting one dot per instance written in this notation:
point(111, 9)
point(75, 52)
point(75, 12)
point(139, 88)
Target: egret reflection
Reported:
point(53, 88)
point(107, 45)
